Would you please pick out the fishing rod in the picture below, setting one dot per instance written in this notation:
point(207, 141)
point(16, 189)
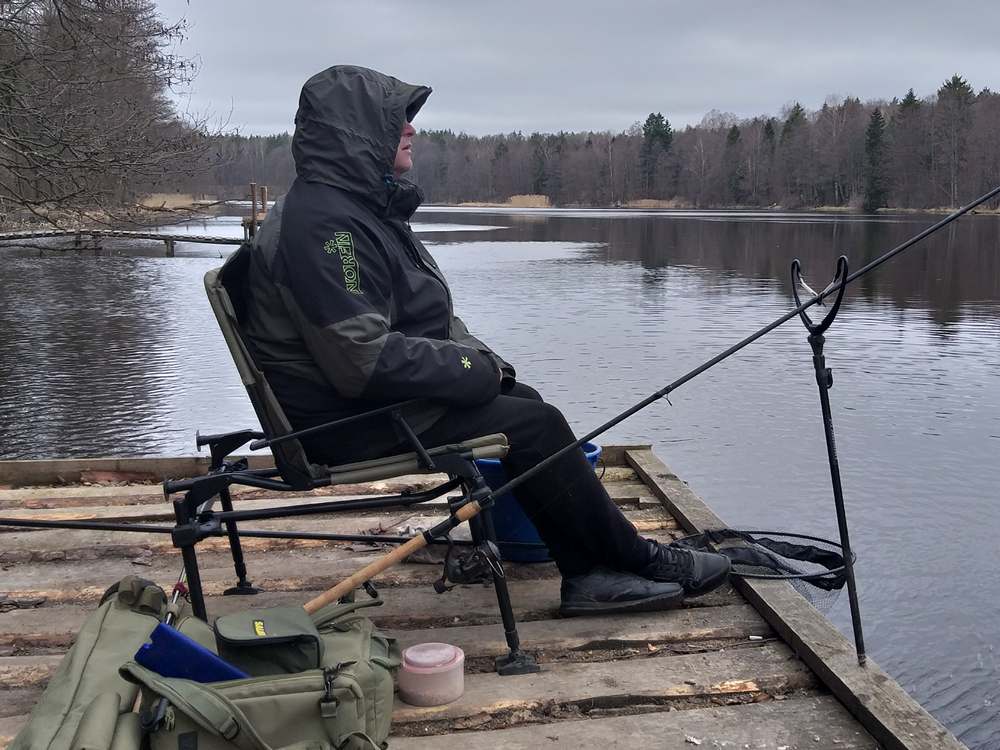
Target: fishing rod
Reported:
point(834, 288)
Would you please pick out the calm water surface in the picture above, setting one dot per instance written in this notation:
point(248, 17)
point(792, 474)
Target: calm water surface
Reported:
point(120, 355)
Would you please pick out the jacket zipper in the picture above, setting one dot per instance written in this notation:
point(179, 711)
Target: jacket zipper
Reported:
point(415, 254)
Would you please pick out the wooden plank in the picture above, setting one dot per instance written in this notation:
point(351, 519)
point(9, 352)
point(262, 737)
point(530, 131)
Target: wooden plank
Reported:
point(25, 473)
point(50, 628)
point(41, 545)
point(113, 495)
point(27, 671)
point(9, 727)
point(769, 669)
point(16, 703)
point(291, 569)
point(627, 493)
point(813, 722)
point(402, 608)
point(67, 471)
point(645, 632)
point(164, 512)
point(47, 545)
point(892, 716)
point(614, 455)
point(595, 638)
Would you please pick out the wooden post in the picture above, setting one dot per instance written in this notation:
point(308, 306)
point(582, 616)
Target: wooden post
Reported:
point(263, 199)
point(253, 208)
point(170, 248)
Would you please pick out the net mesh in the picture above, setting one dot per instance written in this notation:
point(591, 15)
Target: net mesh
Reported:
point(814, 566)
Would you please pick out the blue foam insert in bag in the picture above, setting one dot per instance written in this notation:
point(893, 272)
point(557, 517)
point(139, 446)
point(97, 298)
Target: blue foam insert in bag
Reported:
point(170, 653)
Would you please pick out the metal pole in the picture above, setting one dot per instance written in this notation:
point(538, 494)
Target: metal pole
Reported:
point(824, 379)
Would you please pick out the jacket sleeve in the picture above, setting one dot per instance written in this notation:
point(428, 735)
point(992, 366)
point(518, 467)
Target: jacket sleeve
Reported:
point(338, 288)
point(460, 335)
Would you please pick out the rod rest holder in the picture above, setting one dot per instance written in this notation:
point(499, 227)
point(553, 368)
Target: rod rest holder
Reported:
point(814, 328)
point(222, 444)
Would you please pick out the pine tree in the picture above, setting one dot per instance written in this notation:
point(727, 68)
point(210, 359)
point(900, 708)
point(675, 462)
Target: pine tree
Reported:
point(796, 118)
point(539, 178)
point(769, 133)
point(908, 152)
point(657, 137)
point(875, 178)
point(954, 120)
point(795, 159)
point(733, 167)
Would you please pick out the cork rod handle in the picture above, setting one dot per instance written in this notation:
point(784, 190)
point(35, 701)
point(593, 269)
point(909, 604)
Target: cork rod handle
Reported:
point(385, 562)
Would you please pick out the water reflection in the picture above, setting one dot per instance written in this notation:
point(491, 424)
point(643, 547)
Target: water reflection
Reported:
point(957, 266)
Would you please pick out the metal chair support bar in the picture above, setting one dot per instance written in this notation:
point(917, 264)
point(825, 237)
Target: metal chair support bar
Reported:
point(286, 511)
point(256, 445)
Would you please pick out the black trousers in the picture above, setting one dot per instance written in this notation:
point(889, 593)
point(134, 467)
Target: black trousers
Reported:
point(576, 519)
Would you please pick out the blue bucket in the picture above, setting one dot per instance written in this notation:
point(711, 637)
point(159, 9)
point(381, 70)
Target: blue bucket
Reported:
point(510, 522)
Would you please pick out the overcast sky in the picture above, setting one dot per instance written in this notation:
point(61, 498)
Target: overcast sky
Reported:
point(503, 65)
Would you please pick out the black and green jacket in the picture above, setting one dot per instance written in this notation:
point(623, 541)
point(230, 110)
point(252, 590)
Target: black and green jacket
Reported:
point(348, 310)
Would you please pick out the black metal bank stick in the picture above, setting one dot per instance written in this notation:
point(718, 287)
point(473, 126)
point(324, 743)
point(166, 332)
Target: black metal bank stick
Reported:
point(824, 380)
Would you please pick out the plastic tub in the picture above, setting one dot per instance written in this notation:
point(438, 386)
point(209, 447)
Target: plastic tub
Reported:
point(432, 674)
point(510, 522)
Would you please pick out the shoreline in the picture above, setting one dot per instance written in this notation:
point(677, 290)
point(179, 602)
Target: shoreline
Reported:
point(940, 210)
point(155, 219)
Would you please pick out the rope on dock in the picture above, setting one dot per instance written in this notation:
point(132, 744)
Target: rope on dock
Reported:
point(199, 238)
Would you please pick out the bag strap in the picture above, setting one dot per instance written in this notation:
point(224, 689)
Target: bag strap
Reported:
point(337, 610)
point(212, 711)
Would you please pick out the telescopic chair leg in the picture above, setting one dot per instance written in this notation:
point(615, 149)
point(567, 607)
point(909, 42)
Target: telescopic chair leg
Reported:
point(185, 539)
point(515, 661)
point(243, 586)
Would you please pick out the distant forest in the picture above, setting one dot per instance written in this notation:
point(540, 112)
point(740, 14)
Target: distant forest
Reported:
point(88, 129)
point(909, 152)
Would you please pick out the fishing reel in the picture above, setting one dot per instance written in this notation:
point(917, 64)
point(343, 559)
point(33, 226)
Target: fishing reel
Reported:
point(478, 565)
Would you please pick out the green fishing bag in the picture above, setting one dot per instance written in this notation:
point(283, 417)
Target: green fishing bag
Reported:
point(319, 681)
point(87, 704)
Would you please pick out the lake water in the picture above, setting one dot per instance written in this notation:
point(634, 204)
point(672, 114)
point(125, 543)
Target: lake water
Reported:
point(118, 354)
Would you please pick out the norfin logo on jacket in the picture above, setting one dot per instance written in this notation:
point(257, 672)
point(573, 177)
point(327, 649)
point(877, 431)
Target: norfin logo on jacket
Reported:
point(342, 244)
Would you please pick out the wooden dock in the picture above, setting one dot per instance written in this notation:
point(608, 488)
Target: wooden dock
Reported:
point(751, 665)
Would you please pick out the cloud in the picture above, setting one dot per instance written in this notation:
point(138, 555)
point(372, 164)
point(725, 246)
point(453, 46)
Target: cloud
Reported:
point(582, 65)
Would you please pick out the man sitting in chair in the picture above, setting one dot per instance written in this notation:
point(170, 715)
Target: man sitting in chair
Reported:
point(347, 311)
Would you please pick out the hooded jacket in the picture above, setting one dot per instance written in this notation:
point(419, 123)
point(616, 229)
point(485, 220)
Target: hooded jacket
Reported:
point(347, 310)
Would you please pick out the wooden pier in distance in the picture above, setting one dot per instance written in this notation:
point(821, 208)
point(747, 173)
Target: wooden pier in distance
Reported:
point(751, 665)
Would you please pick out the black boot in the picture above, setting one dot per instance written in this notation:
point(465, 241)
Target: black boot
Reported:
point(604, 591)
point(698, 572)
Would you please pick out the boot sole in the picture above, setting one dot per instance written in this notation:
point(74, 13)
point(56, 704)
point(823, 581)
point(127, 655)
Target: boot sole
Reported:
point(649, 604)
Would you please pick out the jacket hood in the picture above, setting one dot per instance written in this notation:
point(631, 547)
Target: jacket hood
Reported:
point(347, 130)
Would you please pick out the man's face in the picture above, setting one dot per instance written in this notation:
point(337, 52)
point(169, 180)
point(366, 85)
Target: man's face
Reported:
point(404, 153)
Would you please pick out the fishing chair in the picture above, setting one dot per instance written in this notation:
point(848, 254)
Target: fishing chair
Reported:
point(294, 472)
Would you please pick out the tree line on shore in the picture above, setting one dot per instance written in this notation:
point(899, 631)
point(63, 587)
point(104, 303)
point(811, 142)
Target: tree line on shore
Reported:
point(907, 152)
point(87, 128)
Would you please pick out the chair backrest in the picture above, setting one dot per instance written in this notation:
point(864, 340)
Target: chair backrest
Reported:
point(226, 292)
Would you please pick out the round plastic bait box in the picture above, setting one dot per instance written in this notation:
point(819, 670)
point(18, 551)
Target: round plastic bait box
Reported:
point(432, 674)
